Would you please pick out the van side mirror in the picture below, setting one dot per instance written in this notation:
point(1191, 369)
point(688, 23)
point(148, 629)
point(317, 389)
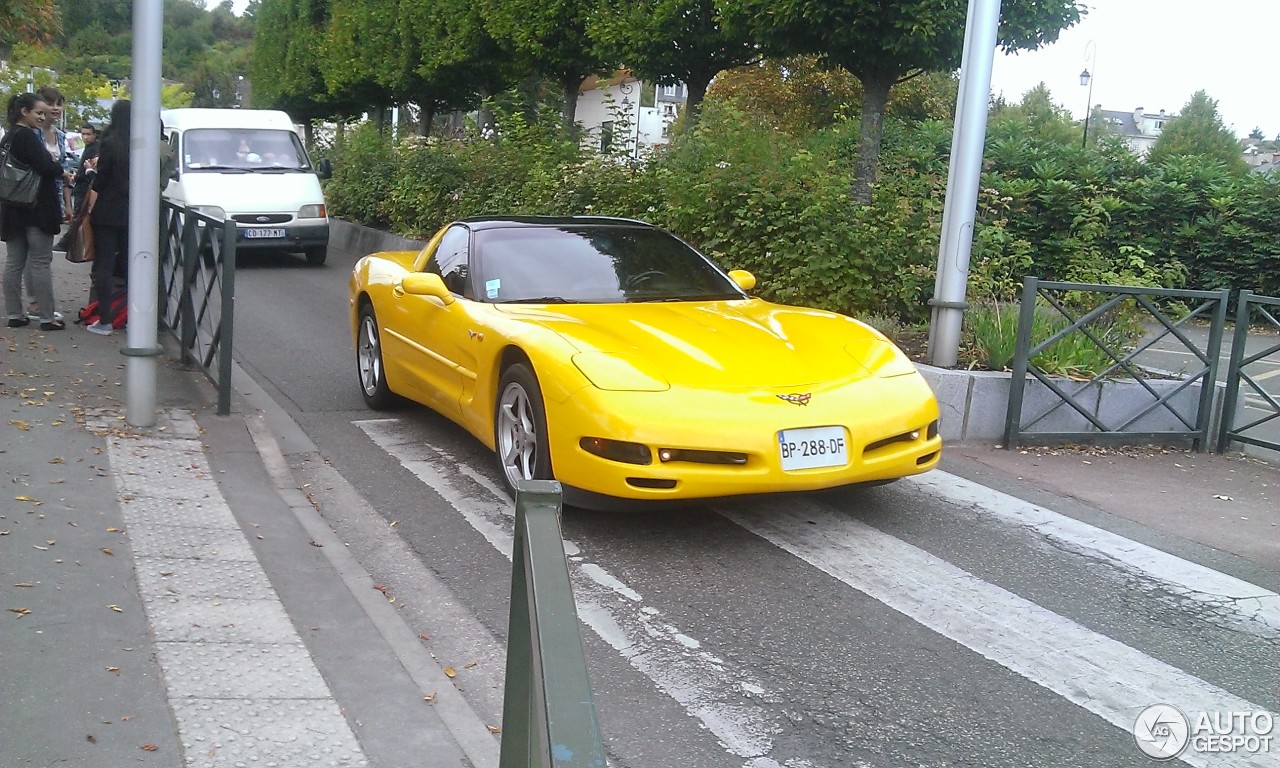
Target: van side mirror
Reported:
point(324, 168)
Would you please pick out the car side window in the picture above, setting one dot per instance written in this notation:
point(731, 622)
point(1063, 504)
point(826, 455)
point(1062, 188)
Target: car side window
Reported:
point(452, 261)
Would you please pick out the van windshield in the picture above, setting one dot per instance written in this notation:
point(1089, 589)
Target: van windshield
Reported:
point(242, 149)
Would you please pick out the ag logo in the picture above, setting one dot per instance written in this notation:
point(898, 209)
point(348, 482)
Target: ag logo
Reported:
point(1161, 731)
point(796, 399)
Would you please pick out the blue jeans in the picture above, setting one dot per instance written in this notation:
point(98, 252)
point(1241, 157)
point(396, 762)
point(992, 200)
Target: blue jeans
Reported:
point(32, 250)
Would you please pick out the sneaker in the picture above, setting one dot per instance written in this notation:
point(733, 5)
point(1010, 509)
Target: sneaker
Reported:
point(34, 314)
point(100, 328)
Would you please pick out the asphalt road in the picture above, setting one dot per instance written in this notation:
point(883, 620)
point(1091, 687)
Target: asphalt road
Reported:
point(880, 627)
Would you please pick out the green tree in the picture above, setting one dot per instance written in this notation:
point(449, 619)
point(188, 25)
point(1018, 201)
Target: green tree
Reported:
point(672, 41)
point(552, 36)
point(1198, 131)
point(883, 43)
point(28, 21)
point(1042, 118)
point(285, 65)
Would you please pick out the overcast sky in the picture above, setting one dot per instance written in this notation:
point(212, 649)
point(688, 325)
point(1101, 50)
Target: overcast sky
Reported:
point(1156, 53)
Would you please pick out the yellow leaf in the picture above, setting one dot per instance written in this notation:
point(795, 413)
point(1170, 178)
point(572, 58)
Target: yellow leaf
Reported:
point(471, 664)
point(25, 498)
point(116, 608)
point(105, 551)
point(24, 584)
point(24, 426)
point(113, 530)
point(57, 460)
point(493, 729)
point(451, 672)
point(430, 698)
point(21, 611)
point(115, 670)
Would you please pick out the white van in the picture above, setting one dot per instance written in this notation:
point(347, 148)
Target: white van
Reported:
point(249, 166)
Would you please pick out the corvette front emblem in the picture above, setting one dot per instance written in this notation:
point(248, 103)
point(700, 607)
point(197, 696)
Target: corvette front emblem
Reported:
point(796, 399)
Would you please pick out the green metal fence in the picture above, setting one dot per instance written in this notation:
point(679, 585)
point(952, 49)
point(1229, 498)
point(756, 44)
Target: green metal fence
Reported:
point(1247, 306)
point(197, 291)
point(548, 716)
point(1100, 427)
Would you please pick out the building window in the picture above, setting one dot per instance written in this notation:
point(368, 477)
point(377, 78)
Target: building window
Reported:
point(606, 136)
point(669, 90)
point(669, 110)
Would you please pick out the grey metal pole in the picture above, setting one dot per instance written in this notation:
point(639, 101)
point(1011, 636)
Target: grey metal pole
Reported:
point(144, 216)
point(967, 138)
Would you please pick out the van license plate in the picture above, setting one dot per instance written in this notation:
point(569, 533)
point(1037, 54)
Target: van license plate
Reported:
point(254, 234)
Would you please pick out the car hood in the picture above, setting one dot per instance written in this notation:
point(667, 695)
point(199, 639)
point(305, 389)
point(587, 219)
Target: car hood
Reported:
point(748, 344)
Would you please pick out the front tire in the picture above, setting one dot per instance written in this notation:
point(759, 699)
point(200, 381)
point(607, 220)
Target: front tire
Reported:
point(520, 428)
point(316, 256)
point(373, 377)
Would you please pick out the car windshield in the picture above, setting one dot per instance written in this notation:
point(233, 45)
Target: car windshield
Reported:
point(597, 264)
point(243, 149)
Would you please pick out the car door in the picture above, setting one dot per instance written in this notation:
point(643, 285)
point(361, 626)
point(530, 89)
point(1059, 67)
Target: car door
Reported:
point(437, 336)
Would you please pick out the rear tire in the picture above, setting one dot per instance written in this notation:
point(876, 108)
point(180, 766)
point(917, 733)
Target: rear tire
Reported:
point(520, 428)
point(316, 256)
point(369, 368)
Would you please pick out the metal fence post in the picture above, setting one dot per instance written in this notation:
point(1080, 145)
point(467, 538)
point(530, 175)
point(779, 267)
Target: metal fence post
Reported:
point(1026, 316)
point(227, 316)
point(548, 716)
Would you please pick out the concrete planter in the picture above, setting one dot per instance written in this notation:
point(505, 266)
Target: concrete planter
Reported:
point(974, 404)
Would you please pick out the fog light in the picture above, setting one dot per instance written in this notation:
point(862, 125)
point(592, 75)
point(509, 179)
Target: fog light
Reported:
point(915, 434)
point(664, 455)
point(616, 450)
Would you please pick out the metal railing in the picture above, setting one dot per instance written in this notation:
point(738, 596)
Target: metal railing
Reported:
point(1114, 427)
point(1246, 306)
point(197, 291)
point(548, 716)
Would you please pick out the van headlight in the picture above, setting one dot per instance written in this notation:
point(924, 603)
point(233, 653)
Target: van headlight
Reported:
point(210, 210)
point(312, 212)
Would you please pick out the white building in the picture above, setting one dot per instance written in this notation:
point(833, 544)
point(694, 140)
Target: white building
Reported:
point(622, 114)
point(1139, 128)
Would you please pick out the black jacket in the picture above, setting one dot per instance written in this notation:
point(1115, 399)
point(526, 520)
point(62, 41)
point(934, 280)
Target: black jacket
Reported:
point(83, 180)
point(112, 182)
point(27, 145)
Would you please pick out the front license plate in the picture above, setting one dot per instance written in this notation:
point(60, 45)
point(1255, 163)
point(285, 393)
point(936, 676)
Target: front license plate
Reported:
point(256, 233)
point(813, 447)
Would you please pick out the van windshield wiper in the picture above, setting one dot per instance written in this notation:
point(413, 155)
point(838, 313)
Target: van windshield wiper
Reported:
point(232, 168)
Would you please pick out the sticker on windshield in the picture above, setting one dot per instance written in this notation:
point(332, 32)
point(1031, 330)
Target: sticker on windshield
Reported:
point(491, 288)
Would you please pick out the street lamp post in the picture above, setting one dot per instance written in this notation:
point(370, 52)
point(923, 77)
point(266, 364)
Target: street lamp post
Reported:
point(1091, 56)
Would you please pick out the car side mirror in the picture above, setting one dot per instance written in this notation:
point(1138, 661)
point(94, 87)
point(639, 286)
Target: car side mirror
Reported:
point(745, 280)
point(324, 168)
point(427, 284)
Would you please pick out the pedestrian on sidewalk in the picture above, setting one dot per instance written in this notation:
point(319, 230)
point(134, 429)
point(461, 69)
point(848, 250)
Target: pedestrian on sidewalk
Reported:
point(28, 232)
point(86, 168)
point(55, 141)
point(108, 203)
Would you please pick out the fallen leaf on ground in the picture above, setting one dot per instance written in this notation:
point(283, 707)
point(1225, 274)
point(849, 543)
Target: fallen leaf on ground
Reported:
point(21, 611)
point(1222, 498)
point(430, 698)
point(91, 739)
point(451, 672)
point(149, 747)
point(114, 670)
point(471, 664)
point(57, 460)
point(113, 530)
point(24, 426)
point(116, 608)
point(106, 550)
point(493, 729)
point(314, 543)
point(24, 584)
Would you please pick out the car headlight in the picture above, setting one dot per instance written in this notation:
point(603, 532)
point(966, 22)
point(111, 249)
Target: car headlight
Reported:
point(617, 373)
point(881, 358)
point(312, 212)
point(215, 211)
point(617, 450)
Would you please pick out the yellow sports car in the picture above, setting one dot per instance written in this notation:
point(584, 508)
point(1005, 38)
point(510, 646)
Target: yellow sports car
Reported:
point(612, 356)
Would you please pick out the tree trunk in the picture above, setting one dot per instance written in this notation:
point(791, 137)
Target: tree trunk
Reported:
point(697, 86)
point(570, 108)
point(875, 94)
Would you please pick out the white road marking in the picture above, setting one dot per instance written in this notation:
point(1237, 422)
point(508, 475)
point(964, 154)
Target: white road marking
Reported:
point(1258, 608)
point(728, 701)
point(1090, 670)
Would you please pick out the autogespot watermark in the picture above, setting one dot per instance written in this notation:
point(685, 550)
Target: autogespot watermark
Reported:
point(1163, 732)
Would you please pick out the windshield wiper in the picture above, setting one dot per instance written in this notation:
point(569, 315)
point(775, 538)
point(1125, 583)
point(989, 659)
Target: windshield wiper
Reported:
point(541, 300)
point(690, 297)
point(234, 168)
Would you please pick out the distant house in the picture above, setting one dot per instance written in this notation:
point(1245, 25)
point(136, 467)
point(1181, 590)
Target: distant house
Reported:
point(1139, 128)
point(624, 114)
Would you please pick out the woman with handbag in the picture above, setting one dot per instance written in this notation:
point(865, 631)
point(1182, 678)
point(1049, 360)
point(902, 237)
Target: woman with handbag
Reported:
point(28, 232)
point(108, 210)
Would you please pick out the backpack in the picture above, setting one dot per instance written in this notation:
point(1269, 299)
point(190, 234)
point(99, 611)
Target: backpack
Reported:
point(120, 318)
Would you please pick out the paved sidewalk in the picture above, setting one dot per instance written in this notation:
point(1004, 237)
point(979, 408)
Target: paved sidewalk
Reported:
point(169, 600)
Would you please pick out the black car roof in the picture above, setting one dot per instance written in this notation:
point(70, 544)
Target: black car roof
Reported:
point(496, 222)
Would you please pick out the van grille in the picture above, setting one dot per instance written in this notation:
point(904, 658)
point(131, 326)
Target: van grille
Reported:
point(262, 218)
